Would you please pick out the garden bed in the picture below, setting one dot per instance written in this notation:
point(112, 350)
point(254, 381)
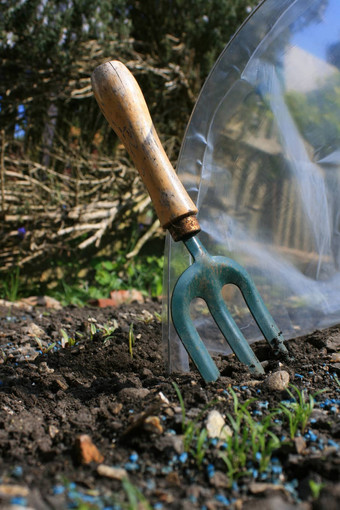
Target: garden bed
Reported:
point(91, 419)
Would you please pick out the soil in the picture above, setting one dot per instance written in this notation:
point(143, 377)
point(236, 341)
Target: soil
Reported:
point(99, 425)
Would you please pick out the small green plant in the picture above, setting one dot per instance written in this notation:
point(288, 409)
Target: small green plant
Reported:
point(71, 295)
point(316, 488)
point(298, 411)
point(263, 440)
point(251, 440)
point(105, 330)
point(136, 500)
point(93, 330)
point(201, 447)
point(142, 273)
point(131, 340)
point(11, 285)
point(66, 340)
point(194, 436)
point(158, 316)
point(43, 349)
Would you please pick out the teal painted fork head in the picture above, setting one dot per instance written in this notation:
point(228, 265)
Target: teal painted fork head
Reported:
point(205, 279)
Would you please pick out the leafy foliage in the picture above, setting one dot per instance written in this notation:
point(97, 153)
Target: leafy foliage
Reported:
point(56, 147)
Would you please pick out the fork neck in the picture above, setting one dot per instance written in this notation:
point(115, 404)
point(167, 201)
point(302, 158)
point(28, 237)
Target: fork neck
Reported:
point(195, 248)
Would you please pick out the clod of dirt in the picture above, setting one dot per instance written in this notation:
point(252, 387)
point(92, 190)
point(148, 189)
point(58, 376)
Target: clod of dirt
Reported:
point(278, 381)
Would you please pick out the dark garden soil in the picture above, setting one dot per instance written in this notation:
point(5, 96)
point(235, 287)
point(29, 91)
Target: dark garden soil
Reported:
point(99, 424)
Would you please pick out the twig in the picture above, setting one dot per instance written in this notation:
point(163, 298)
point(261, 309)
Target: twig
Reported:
point(154, 227)
point(2, 173)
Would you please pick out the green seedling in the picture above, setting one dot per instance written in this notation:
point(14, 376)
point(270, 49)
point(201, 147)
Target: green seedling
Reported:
point(316, 488)
point(250, 440)
point(194, 436)
point(66, 340)
point(43, 349)
point(201, 447)
point(11, 285)
point(158, 316)
point(131, 340)
point(263, 440)
point(92, 326)
point(106, 330)
point(136, 500)
point(299, 411)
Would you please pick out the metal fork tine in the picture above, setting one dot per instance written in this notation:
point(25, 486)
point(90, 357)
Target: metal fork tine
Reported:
point(232, 334)
point(205, 279)
point(183, 294)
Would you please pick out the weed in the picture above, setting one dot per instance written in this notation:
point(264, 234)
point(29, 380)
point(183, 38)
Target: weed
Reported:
point(131, 340)
point(316, 488)
point(298, 411)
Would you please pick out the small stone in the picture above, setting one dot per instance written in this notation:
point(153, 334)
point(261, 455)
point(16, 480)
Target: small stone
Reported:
point(251, 383)
point(116, 408)
point(53, 431)
point(86, 451)
point(170, 442)
point(219, 480)
point(216, 426)
point(278, 381)
point(173, 479)
point(336, 368)
point(269, 503)
point(115, 473)
point(333, 342)
point(34, 330)
point(62, 384)
point(13, 490)
point(134, 393)
point(335, 358)
point(153, 424)
point(300, 444)
point(146, 372)
point(45, 369)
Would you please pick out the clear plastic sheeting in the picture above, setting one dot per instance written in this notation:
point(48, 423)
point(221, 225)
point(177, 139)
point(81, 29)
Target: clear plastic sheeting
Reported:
point(261, 159)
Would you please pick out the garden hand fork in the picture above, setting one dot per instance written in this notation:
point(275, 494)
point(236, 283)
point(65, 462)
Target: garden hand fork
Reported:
point(124, 107)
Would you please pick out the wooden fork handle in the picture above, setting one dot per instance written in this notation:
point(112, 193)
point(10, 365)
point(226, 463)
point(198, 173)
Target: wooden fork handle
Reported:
point(123, 104)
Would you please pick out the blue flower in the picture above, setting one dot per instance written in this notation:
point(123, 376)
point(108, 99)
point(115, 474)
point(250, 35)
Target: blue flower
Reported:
point(21, 232)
